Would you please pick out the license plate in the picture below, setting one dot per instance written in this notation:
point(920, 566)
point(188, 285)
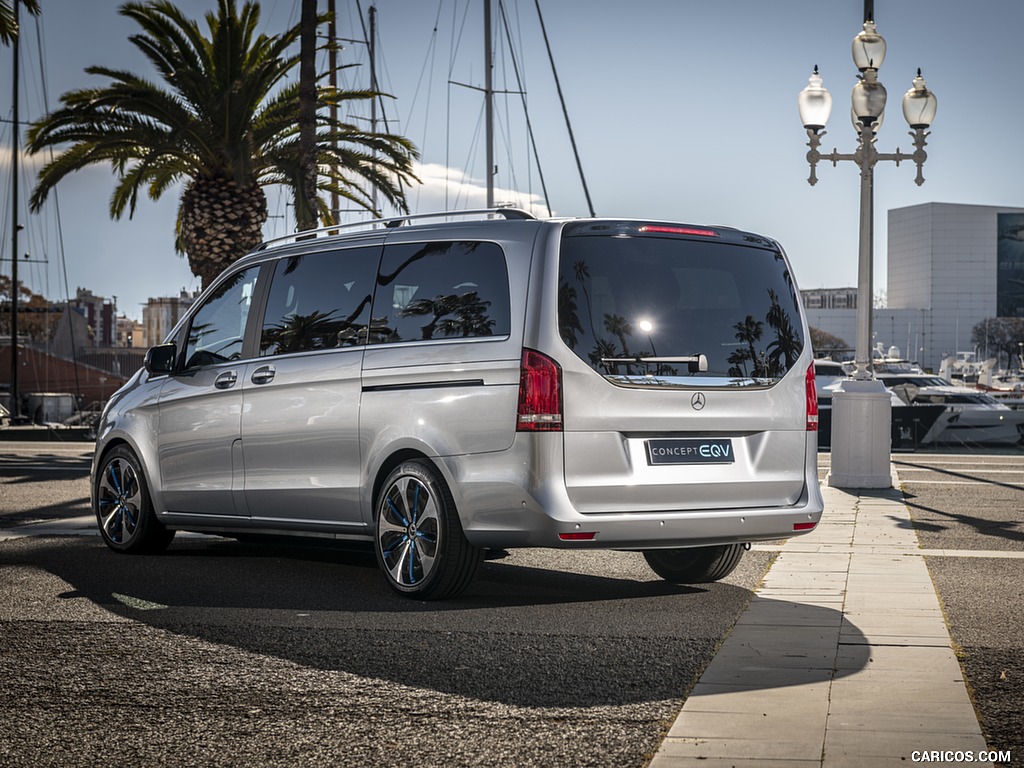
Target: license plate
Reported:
point(690, 450)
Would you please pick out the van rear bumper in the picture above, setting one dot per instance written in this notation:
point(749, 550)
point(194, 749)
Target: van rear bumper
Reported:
point(517, 498)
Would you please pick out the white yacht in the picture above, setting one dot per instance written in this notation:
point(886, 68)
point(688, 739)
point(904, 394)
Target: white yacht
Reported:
point(971, 417)
point(912, 425)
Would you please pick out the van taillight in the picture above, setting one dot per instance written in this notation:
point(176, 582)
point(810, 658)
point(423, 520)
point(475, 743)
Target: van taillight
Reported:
point(812, 400)
point(540, 394)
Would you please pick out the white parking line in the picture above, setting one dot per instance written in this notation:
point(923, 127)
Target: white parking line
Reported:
point(906, 481)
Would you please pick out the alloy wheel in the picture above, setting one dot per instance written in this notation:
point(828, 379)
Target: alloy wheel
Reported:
point(120, 499)
point(408, 531)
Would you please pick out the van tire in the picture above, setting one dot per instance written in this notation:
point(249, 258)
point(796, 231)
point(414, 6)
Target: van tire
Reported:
point(123, 507)
point(694, 565)
point(418, 540)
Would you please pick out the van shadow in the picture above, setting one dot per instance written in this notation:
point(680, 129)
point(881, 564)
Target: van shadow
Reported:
point(522, 636)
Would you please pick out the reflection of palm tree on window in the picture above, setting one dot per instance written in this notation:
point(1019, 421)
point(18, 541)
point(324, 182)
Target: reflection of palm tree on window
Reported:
point(582, 272)
point(318, 330)
point(453, 316)
point(748, 332)
point(603, 350)
point(568, 315)
point(422, 252)
point(619, 327)
point(783, 352)
point(298, 333)
point(616, 325)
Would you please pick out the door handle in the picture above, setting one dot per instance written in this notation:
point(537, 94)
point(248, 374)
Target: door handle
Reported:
point(263, 375)
point(226, 380)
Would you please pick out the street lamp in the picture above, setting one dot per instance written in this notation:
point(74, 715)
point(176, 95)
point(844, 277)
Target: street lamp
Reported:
point(861, 415)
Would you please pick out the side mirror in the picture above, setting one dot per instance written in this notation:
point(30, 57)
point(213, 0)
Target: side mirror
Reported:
point(160, 359)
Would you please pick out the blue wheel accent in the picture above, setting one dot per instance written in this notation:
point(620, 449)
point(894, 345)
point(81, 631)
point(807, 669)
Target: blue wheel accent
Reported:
point(407, 531)
point(420, 545)
point(123, 508)
point(119, 497)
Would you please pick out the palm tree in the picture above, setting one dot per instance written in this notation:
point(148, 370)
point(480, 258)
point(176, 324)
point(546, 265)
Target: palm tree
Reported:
point(8, 27)
point(223, 122)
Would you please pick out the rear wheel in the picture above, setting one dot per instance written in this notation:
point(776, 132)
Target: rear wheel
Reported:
point(694, 565)
point(420, 545)
point(123, 507)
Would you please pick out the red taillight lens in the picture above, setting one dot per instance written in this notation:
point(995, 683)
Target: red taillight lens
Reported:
point(540, 394)
point(804, 526)
point(578, 536)
point(812, 400)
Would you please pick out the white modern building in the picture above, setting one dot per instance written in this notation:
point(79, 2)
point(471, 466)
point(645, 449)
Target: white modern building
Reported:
point(950, 266)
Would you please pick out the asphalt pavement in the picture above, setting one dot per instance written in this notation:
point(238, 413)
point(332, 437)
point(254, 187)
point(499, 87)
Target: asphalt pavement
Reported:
point(902, 612)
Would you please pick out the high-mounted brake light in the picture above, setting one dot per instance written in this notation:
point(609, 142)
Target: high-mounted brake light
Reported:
point(812, 400)
point(540, 394)
point(662, 230)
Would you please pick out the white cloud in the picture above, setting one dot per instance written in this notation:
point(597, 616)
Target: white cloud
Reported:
point(452, 189)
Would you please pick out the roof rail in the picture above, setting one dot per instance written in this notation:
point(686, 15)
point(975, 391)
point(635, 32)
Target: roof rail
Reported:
point(392, 223)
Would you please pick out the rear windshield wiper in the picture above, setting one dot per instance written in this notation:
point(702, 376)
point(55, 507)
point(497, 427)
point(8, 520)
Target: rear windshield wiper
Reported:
point(696, 363)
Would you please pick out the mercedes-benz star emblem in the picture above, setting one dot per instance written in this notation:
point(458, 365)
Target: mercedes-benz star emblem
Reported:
point(698, 401)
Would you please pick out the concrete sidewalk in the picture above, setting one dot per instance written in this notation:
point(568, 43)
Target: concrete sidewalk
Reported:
point(843, 657)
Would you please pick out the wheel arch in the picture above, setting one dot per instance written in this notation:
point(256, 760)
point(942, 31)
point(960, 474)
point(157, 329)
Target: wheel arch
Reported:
point(388, 465)
point(101, 454)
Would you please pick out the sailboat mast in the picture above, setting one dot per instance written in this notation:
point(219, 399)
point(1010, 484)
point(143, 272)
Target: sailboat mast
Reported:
point(488, 104)
point(15, 406)
point(372, 45)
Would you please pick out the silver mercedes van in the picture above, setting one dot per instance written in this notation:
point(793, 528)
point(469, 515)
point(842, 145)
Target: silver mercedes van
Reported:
point(444, 384)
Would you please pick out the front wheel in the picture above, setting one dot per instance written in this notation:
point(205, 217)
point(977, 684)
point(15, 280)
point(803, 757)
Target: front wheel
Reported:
point(695, 565)
point(123, 507)
point(420, 545)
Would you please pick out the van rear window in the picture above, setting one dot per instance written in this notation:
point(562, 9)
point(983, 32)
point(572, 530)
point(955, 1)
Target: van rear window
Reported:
point(650, 309)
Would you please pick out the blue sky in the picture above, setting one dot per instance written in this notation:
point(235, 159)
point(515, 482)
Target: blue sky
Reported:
point(681, 110)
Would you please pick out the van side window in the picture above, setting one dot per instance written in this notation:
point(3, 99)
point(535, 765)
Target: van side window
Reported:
point(217, 330)
point(319, 301)
point(441, 290)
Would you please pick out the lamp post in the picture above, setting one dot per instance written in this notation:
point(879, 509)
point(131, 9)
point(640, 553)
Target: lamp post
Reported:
point(861, 415)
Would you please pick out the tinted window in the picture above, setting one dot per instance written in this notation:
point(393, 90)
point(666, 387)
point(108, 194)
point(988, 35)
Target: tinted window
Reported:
point(636, 296)
point(217, 330)
point(319, 301)
point(441, 291)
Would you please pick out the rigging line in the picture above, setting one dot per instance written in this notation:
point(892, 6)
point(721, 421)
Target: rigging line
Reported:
point(430, 56)
point(561, 98)
point(529, 124)
point(507, 128)
point(522, 57)
point(456, 38)
point(60, 230)
point(431, 59)
point(470, 155)
point(383, 109)
point(372, 194)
